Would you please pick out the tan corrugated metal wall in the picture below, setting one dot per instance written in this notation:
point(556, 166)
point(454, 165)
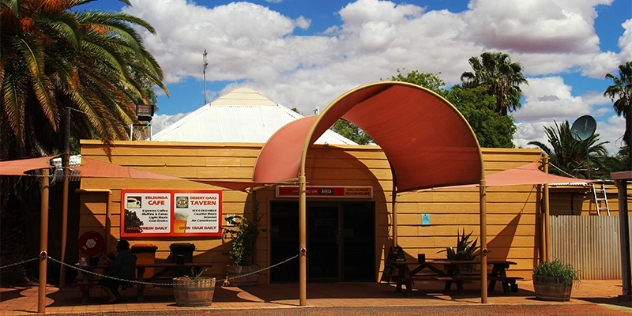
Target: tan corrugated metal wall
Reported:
point(590, 243)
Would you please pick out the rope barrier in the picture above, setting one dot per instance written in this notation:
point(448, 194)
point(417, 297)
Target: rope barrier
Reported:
point(18, 263)
point(79, 268)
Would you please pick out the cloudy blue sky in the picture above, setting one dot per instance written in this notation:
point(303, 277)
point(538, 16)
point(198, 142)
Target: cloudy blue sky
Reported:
point(306, 53)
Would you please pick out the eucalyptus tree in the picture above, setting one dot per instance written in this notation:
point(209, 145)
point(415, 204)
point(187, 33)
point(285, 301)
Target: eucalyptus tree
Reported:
point(501, 77)
point(351, 132)
point(492, 129)
point(621, 94)
point(572, 157)
point(426, 80)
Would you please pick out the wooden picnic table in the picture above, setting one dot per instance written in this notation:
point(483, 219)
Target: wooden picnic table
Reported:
point(452, 271)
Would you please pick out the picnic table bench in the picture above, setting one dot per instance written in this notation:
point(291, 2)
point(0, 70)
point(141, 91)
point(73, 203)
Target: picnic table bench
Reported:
point(452, 274)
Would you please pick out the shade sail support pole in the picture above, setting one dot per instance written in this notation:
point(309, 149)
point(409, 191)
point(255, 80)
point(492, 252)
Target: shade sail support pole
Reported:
point(483, 232)
point(302, 224)
point(43, 258)
point(624, 229)
point(302, 218)
point(539, 231)
point(547, 217)
point(394, 206)
point(64, 205)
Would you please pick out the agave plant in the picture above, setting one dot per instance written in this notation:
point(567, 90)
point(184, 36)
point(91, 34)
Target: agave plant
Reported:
point(466, 249)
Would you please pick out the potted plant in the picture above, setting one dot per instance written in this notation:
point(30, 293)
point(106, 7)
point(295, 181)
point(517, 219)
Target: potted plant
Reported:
point(553, 280)
point(243, 233)
point(465, 249)
point(194, 290)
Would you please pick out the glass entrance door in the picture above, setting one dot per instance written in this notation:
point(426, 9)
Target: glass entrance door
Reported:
point(340, 241)
point(358, 241)
point(323, 243)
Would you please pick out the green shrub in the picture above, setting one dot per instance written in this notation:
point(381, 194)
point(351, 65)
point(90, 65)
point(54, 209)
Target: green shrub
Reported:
point(243, 239)
point(244, 235)
point(557, 269)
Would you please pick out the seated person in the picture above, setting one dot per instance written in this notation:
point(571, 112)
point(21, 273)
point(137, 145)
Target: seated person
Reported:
point(122, 267)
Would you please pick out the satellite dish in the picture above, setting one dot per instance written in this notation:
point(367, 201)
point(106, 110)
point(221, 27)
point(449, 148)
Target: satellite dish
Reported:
point(583, 128)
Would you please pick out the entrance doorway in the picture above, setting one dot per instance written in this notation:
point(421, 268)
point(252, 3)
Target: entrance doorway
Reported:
point(340, 241)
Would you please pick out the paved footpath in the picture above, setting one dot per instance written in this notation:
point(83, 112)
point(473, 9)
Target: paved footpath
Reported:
point(588, 298)
point(483, 310)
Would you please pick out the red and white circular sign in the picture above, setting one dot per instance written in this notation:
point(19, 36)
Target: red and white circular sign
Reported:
point(91, 243)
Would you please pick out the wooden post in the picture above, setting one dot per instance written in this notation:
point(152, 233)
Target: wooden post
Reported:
point(394, 212)
point(43, 258)
point(624, 228)
point(302, 229)
point(483, 232)
point(64, 206)
point(547, 217)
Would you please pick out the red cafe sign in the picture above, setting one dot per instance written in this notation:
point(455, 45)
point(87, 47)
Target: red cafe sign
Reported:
point(171, 213)
point(326, 191)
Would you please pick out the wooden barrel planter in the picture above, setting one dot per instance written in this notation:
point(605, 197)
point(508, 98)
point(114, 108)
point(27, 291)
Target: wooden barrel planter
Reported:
point(235, 275)
point(193, 292)
point(552, 288)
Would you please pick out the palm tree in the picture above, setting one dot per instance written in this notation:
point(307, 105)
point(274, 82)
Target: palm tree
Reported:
point(53, 58)
point(621, 94)
point(570, 156)
point(500, 76)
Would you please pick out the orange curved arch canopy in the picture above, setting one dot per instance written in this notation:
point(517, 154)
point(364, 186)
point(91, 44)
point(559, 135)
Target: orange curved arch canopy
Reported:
point(427, 141)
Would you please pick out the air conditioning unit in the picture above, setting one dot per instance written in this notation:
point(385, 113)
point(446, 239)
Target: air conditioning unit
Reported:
point(145, 112)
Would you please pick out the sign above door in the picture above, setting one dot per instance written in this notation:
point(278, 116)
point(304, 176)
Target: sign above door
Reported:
point(283, 191)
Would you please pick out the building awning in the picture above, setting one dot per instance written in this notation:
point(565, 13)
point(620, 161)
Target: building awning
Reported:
point(531, 174)
point(91, 168)
point(81, 167)
point(18, 167)
point(527, 174)
point(426, 140)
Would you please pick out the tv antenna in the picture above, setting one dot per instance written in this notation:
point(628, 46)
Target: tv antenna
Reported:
point(205, 64)
point(583, 128)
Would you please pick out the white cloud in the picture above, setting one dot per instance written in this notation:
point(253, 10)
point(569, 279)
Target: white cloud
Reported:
point(596, 98)
point(253, 45)
point(533, 26)
point(302, 22)
point(549, 100)
point(161, 121)
point(625, 42)
point(613, 132)
point(534, 131)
